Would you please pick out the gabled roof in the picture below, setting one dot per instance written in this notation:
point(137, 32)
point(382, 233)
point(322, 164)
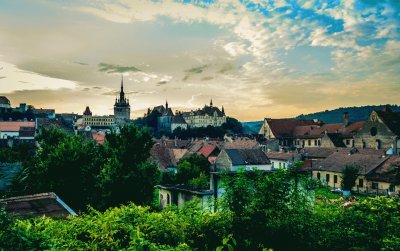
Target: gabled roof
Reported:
point(241, 144)
point(281, 155)
point(206, 110)
point(366, 160)
point(167, 112)
point(385, 172)
point(37, 205)
point(391, 120)
point(285, 127)
point(4, 100)
point(15, 126)
point(336, 139)
point(208, 149)
point(247, 157)
point(318, 152)
point(178, 119)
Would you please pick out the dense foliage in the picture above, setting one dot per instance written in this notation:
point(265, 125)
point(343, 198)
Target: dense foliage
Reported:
point(83, 172)
point(17, 153)
point(259, 211)
point(349, 176)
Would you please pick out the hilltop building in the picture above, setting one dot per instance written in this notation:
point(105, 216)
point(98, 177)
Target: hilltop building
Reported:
point(97, 121)
point(207, 116)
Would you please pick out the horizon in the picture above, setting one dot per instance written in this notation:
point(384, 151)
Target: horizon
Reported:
point(278, 59)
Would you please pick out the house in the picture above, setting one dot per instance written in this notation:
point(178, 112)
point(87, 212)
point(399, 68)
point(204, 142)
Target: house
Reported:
point(164, 122)
point(383, 179)
point(180, 194)
point(12, 129)
point(381, 131)
point(233, 159)
point(44, 113)
point(178, 122)
point(37, 205)
point(329, 170)
point(283, 159)
point(207, 116)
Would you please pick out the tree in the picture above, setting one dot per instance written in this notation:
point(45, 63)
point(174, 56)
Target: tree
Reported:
point(349, 176)
point(127, 175)
point(232, 125)
point(192, 167)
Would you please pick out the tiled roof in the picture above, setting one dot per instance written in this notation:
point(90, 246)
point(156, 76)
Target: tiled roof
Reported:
point(391, 120)
point(337, 161)
point(206, 150)
point(45, 122)
point(37, 205)
point(14, 126)
point(206, 110)
point(336, 139)
point(176, 155)
point(247, 157)
point(281, 155)
point(241, 144)
point(328, 128)
point(385, 172)
point(87, 111)
point(285, 127)
point(318, 152)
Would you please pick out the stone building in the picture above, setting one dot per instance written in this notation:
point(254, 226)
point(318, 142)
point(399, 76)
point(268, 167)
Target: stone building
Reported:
point(97, 121)
point(207, 116)
point(381, 131)
point(165, 120)
point(122, 108)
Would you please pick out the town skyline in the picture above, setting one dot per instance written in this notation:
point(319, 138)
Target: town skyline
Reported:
point(256, 59)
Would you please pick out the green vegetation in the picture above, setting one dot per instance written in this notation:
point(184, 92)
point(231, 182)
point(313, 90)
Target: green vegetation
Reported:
point(85, 173)
point(259, 212)
point(18, 153)
point(349, 177)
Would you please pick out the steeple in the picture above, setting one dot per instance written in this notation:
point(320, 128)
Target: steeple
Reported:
point(166, 104)
point(223, 111)
point(211, 104)
point(122, 94)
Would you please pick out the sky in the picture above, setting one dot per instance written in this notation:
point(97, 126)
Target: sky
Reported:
point(274, 58)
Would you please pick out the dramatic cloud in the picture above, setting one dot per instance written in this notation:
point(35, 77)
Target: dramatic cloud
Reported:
point(258, 58)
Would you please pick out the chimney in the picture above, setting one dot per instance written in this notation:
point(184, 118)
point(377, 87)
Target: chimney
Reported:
point(346, 118)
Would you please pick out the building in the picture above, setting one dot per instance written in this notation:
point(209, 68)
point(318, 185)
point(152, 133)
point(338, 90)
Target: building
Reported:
point(207, 116)
point(329, 170)
point(231, 160)
point(384, 179)
point(122, 108)
point(44, 113)
point(180, 194)
point(381, 131)
point(15, 129)
point(97, 121)
point(4, 103)
point(37, 205)
point(164, 122)
point(178, 122)
point(283, 159)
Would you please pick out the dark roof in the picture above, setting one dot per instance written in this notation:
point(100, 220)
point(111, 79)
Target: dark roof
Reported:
point(4, 100)
point(48, 204)
point(366, 160)
point(281, 155)
point(285, 127)
point(185, 188)
point(206, 110)
point(27, 131)
point(178, 119)
point(241, 144)
point(336, 139)
point(386, 171)
point(247, 157)
point(318, 152)
point(168, 112)
point(43, 111)
point(45, 122)
point(87, 111)
point(391, 120)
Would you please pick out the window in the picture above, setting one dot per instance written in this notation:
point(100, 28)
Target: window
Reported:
point(309, 142)
point(318, 176)
point(315, 142)
point(374, 131)
point(319, 142)
point(374, 185)
point(335, 179)
point(347, 142)
point(327, 178)
point(361, 182)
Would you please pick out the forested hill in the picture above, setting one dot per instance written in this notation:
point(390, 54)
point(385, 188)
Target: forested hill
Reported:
point(356, 113)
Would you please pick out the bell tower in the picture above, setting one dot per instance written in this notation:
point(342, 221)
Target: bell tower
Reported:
point(122, 108)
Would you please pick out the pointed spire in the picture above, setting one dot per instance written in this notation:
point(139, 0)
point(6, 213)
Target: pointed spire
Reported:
point(223, 111)
point(122, 94)
point(166, 104)
point(211, 104)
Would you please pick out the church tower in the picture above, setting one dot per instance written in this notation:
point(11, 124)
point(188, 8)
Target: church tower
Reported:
point(122, 109)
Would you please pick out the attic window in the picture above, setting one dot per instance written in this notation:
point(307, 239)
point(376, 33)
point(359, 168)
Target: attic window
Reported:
point(374, 131)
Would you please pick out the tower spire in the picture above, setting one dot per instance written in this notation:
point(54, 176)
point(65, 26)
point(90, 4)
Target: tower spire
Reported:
point(211, 103)
point(166, 104)
point(122, 94)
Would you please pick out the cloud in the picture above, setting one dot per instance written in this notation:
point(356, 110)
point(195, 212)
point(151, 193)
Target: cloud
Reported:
point(113, 68)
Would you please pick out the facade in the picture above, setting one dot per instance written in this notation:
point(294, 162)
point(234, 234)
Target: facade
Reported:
point(283, 159)
point(97, 121)
point(122, 108)
point(4, 102)
point(180, 194)
point(233, 159)
point(178, 122)
point(164, 122)
point(207, 116)
point(381, 131)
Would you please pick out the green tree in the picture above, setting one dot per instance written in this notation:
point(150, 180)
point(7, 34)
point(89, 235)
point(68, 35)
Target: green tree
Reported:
point(191, 167)
point(349, 176)
point(127, 175)
point(232, 125)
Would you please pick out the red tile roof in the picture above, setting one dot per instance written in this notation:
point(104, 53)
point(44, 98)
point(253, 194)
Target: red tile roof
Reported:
point(14, 126)
point(284, 127)
point(207, 150)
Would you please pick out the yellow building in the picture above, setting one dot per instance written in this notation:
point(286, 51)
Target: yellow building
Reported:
point(97, 121)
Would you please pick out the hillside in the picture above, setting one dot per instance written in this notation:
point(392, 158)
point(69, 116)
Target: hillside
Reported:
point(251, 127)
point(356, 113)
